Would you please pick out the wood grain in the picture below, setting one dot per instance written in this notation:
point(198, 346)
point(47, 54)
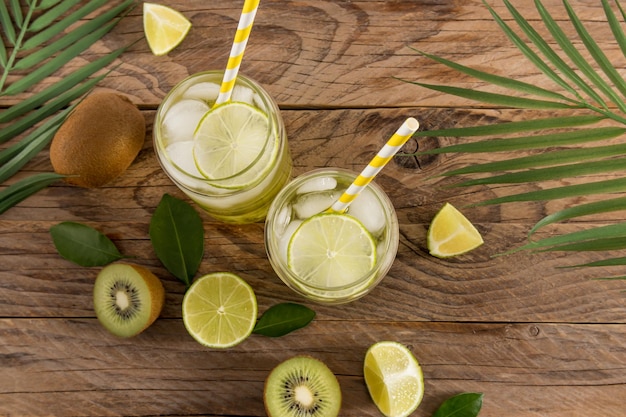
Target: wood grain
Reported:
point(536, 339)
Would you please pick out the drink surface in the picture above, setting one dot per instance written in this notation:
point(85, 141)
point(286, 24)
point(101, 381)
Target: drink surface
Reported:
point(242, 194)
point(304, 199)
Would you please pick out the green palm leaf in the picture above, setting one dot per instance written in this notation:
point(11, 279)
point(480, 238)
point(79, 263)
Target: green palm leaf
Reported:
point(30, 58)
point(595, 86)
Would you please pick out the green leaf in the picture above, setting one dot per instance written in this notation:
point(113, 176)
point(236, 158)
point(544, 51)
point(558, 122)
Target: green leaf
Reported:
point(24, 188)
point(599, 56)
point(83, 245)
point(514, 127)
point(497, 99)
point(581, 63)
point(284, 318)
point(594, 245)
point(615, 25)
point(48, 109)
point(59, 88)
point(550, 173)
point(610, 231)
point(79, 32)
point(603, 263)
point(497, 80)
point(533, 142)
point(7, 24)
point(597, 187)
point(604, 206)
point(542, 159)
point(177, 236)
point(51, 15)
point(57, 62)
point(466, 404)
point(553, 57)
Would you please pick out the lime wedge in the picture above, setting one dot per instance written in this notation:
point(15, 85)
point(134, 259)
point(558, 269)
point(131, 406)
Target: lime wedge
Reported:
point(451, 234)
point(219, 310)
point(163, 27)
point(394, 378)
point(230, 145)
point(331, 250)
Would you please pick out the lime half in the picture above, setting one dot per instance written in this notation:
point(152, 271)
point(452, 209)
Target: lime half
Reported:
point(219, 310)
point(231, 146)
point(331, 250)
point(394, 378)
point(163, 27)
point(451, 233)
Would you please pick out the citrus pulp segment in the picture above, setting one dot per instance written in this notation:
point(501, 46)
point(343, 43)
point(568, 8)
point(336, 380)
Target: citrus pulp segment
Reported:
point(394, 378)
point(451, 233)
point(331, 250)
point(233, 145)
point(163, 27)
point(219, 310)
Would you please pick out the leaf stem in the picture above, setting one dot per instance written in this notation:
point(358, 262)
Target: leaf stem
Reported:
point(5, 74)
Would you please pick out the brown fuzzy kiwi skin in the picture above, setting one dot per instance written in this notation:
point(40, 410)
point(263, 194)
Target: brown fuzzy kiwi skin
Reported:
point(99, 140)
point(265, 400)
point(157, 295)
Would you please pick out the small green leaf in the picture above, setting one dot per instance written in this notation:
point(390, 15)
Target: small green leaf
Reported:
point(177, 236)
point(466, 404)
point(284, 318)
point(83, 245)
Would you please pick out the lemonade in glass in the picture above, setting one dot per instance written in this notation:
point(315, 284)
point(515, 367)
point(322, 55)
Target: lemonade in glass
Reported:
point(330, 257)
point(231, 159)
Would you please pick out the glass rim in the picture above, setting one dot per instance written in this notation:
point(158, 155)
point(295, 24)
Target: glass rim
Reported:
point(270, 110)
point(389, 243)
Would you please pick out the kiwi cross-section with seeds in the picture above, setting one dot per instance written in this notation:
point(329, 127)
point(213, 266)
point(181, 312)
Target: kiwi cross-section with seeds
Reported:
point(127, 298)
point(302, 386)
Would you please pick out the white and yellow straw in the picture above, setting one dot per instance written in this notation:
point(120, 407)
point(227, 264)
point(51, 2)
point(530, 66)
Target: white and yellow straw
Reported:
point(392, 146)
point(236, 53)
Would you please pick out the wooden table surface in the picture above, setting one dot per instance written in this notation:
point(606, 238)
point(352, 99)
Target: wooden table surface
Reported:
point(535, 339)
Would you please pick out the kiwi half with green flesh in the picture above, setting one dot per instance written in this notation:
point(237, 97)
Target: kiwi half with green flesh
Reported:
point(127, 298)
point(302, 386)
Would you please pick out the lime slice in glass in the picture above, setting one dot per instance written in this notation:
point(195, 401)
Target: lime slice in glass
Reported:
point(451, 233)
point(394, 378)
point(219, 310)
point(331, 250)
point(231, 147)
point(163, 27)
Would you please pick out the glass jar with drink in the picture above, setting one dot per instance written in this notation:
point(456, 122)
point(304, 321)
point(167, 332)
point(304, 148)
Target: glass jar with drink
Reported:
point(231, 158)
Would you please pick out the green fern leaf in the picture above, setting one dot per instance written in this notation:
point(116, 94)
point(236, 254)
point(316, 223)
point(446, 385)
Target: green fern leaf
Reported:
point(600, 86)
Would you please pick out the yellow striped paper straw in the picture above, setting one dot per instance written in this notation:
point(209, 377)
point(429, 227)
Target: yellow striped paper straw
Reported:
point(387, 152)
point(236, 52)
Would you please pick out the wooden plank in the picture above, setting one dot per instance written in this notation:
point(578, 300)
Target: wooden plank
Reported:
point(74, 367)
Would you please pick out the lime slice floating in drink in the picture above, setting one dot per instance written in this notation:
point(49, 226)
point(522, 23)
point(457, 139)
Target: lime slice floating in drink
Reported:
point(394, 378)
point(219, 310)
point(451, 233)
point(231, 147)
point(331, 250)
point(164, 27)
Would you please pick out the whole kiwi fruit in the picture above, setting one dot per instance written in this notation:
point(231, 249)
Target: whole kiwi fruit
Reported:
point(127, 298)
point(99, 140)
point(302, 386)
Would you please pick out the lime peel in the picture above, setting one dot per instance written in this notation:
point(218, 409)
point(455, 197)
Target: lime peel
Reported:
point(394, 378)
point(219, 310)
point(331, 250)
point(451, 233)
point(231, 146)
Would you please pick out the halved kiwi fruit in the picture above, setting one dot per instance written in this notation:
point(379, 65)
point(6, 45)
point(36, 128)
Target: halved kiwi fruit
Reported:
point(127, 298)
point(302, 386)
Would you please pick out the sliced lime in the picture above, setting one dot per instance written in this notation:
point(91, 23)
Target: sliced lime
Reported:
point(394, 378)
point(219, 310)
point(164, 27)
point(331, 250)
point(233, 145)
point(451, 233)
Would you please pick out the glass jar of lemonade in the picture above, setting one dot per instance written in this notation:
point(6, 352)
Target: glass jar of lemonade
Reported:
point(330, 257)
point(231, 158)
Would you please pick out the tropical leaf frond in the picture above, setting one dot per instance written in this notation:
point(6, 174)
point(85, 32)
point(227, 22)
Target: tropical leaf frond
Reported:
point(584, 146)
point(37, 48)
